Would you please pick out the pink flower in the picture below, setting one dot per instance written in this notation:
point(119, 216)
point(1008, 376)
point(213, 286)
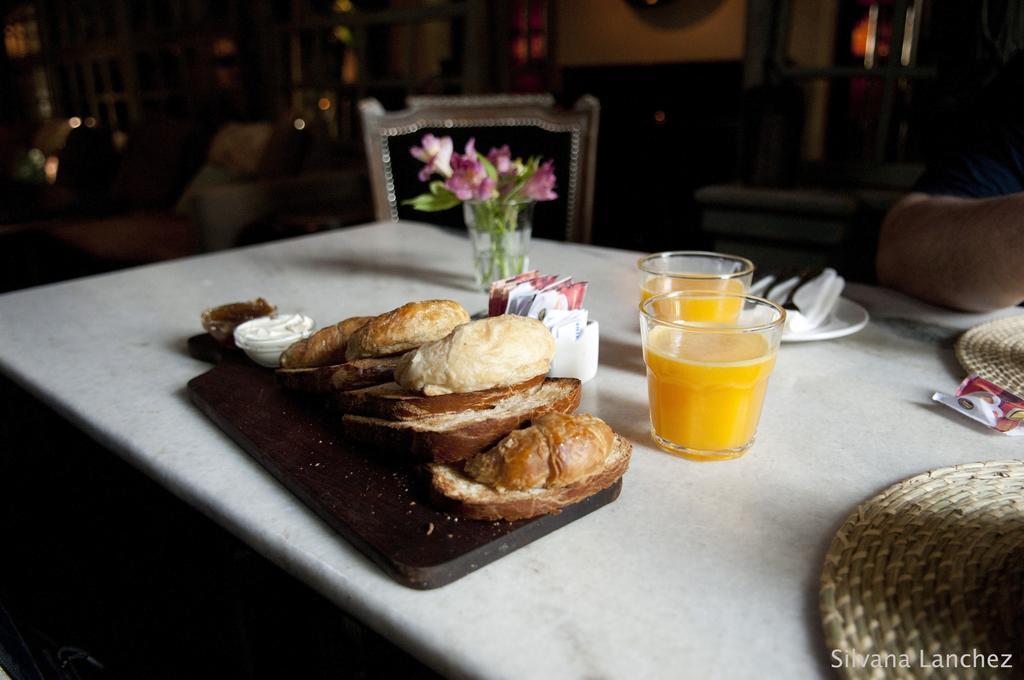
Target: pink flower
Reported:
point(436, 153)
point(541, 186)
point(501, 159)
point(469, 180)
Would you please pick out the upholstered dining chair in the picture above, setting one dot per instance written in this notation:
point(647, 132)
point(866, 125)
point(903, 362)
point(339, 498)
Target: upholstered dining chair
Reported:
point(530, 124)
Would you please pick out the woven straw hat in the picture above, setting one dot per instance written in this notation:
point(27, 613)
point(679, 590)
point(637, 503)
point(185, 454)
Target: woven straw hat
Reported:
point(995, 351)
point(932, 565)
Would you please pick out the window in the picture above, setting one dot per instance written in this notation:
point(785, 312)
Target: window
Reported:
point(867, 71)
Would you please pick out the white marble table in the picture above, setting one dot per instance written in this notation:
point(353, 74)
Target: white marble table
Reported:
point(698, 570)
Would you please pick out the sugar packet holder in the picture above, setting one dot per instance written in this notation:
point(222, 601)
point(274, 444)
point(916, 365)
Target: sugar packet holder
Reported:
point(577, 339)
point(987, 403)
point(558, 303)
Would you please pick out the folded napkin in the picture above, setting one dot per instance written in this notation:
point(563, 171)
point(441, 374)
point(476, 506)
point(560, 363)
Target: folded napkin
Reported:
point(809, 302)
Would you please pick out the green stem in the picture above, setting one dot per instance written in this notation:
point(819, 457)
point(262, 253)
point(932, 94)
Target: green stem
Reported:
point(498, 220)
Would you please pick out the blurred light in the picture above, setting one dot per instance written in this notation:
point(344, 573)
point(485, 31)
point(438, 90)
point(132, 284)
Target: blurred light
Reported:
point(224, 47)
point(343, 6)
point(120, 139)
point(650, 2)
point(659, 117)
point(859, 38)
point(90, 122)
point(50, 169)
point(907, 55)
point(324, 103)
point(21, 34)
point(519, 50)
point(873, 43)
point(343, 34)
point(37, 157)
point(349, 67)
point(42, 92)
point(300, 124)
point(75, 121)
point(538, 46)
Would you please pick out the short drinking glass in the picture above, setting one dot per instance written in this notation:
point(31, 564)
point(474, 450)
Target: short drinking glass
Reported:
point(681, 270)
point(706, 380)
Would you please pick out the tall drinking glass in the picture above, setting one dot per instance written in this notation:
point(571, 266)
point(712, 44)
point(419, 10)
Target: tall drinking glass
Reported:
point(681, 270)
point(706, 380)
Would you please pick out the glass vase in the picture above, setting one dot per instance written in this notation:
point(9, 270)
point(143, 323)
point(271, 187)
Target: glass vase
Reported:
point(500, 235)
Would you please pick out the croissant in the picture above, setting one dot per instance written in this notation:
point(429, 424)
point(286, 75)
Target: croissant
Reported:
point(556, 450)
point(405, 328)
point(326, 347)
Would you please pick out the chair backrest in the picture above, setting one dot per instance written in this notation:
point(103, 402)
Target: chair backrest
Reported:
point(529, 124)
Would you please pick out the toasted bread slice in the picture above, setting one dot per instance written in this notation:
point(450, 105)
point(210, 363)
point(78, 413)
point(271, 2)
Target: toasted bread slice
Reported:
point(454, 491)
point(393, 402)
point(348, 376)
point(456, 436)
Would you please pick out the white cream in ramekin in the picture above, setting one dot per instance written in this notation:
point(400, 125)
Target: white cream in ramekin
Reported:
point(264, 339)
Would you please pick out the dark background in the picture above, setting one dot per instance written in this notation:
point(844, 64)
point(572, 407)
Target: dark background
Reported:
point(98, 558)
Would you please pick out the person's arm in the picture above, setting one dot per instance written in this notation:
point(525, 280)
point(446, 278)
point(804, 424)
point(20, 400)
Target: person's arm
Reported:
point(965, 253)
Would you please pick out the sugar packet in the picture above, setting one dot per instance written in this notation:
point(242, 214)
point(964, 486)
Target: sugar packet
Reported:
point(500, 290)
point(531, 293)
point(989, 404)
point(565, 324)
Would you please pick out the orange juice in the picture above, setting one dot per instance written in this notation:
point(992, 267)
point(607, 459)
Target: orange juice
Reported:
point(706, 389)
point(720, 310)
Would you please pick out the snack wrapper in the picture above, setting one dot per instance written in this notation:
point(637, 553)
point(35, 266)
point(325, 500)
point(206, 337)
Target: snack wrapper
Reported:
point(987, 403)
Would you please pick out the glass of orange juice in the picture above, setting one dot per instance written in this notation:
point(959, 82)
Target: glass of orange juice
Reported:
point(706, 379)
point(680, 270)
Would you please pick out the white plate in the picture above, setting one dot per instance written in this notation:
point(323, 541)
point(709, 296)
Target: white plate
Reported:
point(847, 318)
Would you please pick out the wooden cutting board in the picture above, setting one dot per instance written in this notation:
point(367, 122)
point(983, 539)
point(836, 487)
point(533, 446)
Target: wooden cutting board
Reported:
point(380, 507)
